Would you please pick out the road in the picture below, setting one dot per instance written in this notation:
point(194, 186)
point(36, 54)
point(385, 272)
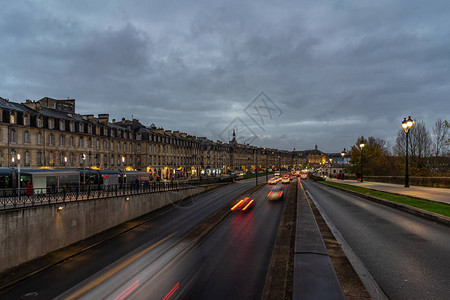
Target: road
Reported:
point(408, 256)
point(150, 260)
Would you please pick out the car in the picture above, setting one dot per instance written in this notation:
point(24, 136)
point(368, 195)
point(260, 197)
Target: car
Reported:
point(277, 173)
point(276, 193)
point(272, 181)
point(286, 180)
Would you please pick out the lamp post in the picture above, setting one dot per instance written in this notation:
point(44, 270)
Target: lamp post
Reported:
point(18, 175)
point(123, 161)
point(362, 146)
point(65, 161)
point(84, 169)
point(407, 124)
point(267, 171)
point(343, 154)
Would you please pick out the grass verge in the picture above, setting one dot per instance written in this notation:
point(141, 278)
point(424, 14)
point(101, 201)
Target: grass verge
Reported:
point(431, 206)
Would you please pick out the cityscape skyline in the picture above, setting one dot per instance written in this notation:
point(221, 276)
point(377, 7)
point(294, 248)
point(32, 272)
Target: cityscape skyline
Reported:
point(335, 70)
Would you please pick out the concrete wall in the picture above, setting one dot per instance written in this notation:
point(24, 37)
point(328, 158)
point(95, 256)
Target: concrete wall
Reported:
point(29, 233)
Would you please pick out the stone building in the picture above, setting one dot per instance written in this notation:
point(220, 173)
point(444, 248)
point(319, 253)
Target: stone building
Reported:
point(48, 133)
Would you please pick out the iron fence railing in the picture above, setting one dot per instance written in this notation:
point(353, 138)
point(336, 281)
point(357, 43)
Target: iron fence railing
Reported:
point(26, 197)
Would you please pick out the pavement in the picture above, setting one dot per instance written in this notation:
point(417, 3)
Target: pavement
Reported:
point(428, 193)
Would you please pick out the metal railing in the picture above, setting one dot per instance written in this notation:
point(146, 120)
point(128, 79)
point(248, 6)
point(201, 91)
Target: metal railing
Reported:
point(26, 197)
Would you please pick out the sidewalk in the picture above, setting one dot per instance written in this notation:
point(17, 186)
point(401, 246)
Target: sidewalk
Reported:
point(428, 193)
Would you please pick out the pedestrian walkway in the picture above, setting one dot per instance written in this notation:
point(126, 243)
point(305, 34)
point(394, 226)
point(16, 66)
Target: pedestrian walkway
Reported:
point(428, 193)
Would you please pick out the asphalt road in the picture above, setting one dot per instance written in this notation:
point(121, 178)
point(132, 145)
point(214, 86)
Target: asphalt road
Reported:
point(408, 256)
point(151, 259)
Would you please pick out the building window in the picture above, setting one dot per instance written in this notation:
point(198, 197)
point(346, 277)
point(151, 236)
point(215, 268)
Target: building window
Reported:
point(50, 140)
point(27, 158)
point(72, 159)
point(89, 128)
point(105, 160)
point(61, 140)
point(105, 145)
point(112, 146)
point(26, 137)
point(124, 147)
point(26, 119)
point(90, 143)
point(118, 160)
point(112, 160)
point(71, 141)
point(38, 139)
point(131, 147)
point(50, 123)
point(39, 158)
point(97, 144)
point(118, 146)
point(97, 130)
point(12, 118)
point(61, 125)
point(139, 148)
point(39, 122)
point(80, 144)
point(71, 126)
point(81, 127)
point(12, 136)
point(61, 159)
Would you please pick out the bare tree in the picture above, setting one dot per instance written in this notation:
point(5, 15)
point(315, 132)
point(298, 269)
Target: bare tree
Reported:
point(440, 133)
point(420, 144)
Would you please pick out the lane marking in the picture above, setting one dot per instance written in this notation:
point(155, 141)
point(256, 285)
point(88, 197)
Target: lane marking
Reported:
point(92, 284)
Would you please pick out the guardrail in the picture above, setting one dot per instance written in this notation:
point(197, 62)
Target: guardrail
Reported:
point(23, 197)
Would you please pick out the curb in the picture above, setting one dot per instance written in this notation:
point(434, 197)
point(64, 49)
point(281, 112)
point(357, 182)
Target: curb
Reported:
point(409, 209)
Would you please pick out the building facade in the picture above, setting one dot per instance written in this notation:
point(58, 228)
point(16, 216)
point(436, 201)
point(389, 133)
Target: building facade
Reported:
point(49, 134)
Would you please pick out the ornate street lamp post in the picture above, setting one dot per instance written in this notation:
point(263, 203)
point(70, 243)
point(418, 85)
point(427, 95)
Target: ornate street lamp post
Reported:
point(18, 175)
point(361, 160)
point(84, 169)
point(343, 154)
point(407, 124)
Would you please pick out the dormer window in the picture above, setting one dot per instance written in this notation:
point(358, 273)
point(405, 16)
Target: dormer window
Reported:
point(26, 119)
point(61, 125)
point(50, 123)
point(39, 122)
point(81, 127)
point(90, 129)
point(97, 130)
point(12, 117)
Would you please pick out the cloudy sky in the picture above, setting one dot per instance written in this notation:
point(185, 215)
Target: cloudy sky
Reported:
point(284, 73)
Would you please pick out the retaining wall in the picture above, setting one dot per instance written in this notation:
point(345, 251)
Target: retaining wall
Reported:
point(32, 232)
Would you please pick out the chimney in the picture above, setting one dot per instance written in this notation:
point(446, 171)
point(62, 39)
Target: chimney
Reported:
point(89, 118)
point(103, 119)
point(114, 121)
point(176, 133)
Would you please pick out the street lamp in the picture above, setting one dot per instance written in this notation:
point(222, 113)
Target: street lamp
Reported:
point(18, 175)
point(362, 146)
point(84, 168)
point(65, 161)
point(256, 166)
point(123, 161)
point(407, 124)
point(343, 154)
point(267, 171)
